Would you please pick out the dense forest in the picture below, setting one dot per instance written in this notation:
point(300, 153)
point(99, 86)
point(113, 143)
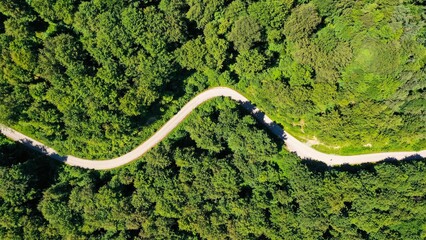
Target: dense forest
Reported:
point(219, 176)
point(95, 78)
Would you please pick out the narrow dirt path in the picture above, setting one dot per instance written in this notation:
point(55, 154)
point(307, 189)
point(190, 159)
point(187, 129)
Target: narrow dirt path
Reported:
point(301, 149)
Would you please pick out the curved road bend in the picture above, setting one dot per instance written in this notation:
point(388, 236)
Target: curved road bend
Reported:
point(301, 149)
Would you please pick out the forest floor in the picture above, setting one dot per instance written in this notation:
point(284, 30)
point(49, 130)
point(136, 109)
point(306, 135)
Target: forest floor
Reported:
point(303, 150)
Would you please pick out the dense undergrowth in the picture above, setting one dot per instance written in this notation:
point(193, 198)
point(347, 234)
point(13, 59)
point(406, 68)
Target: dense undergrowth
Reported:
point(95, 78)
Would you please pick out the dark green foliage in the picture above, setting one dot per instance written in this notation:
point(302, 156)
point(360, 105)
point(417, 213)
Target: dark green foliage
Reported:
point(94, 78)
point(218, 176)
point(24, 175)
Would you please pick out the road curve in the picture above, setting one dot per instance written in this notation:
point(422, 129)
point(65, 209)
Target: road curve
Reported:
point(301, 149)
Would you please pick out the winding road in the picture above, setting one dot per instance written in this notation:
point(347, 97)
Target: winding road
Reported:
point(301, 149)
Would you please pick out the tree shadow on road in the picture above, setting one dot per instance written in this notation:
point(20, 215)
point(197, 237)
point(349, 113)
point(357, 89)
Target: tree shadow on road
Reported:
point(320, 167)
point(42, 149)
point(274, 129)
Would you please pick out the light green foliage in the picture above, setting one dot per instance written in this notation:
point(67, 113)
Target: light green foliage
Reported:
point(89, 77)
point(16, 9)
point(45, 9)
point(226, 182)
point(203, 11)
point(249, 62)
point(301, 23)
point(15, 186)
point(358, 57)
point(95, 78)
point(193, 55)
point(270, 13)
point(245, 33)
point(17, 28)
point(23, 55)
point(99, 69)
